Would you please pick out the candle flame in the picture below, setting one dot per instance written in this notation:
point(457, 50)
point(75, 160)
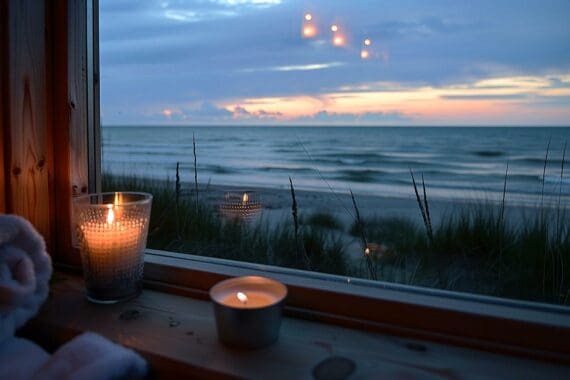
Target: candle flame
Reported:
point(245, 198)
point(110, 215)
point(242, 297)
point(118, 199)
point(367, 251)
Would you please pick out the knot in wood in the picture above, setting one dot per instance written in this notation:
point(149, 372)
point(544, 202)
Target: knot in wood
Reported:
point(334, 368)
point(129, 315)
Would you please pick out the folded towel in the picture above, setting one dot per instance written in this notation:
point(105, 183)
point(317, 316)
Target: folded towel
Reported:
point(25, 270)
point(92, 357)
point(20, 359)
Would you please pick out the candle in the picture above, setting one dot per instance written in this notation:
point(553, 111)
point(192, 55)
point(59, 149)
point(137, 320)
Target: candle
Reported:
point(112, 233)
point(248, 310)
point(248, 300)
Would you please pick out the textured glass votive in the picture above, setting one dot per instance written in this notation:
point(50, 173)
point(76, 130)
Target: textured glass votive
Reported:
point(112, 229)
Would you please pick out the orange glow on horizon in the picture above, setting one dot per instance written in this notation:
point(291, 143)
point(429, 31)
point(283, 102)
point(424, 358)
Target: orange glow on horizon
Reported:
point(478, 101)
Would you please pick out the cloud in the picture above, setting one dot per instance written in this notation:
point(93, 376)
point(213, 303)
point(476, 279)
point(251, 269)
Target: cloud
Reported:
point(168, 54)
point(333, 118)
point(305, 67)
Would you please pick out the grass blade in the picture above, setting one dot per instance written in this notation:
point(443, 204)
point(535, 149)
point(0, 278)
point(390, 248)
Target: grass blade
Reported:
point(195, 169)
point(421, 206)
point(369, 265)
point(426, 205)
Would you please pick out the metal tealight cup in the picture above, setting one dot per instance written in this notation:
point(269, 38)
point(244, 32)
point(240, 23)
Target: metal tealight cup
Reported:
point(248, 326)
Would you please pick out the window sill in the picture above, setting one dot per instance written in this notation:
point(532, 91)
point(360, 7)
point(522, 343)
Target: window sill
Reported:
point(537, 331)
point(177, 336)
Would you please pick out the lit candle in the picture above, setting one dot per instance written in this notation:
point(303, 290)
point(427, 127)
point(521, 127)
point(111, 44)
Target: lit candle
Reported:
point(248, 300)
point(248, 310)
point(113, 237)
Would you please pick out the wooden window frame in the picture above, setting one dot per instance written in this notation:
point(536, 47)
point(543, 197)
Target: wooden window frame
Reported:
point(71, 121)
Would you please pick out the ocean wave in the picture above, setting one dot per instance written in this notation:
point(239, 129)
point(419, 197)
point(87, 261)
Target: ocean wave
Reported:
point(363, 176)
point(488, 153)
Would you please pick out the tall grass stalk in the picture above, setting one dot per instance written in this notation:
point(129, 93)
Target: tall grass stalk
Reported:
point(427, 222)
point(558, 209)
point(178, 188)
point(299, 249)
point(324, 179)
point(558, 221)
point(543, 226)
point(426, 204)
point(501, 221)
point(195, 169)
point(295, 215)
point(544, 176)
point(360, 226)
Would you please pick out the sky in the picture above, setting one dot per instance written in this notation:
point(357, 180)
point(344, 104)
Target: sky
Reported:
point(261, 62)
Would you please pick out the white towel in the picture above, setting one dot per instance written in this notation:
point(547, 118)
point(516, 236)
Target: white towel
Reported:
point(25, 270)
point(92, 357)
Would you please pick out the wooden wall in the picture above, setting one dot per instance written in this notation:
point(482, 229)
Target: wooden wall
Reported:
point(43, 138)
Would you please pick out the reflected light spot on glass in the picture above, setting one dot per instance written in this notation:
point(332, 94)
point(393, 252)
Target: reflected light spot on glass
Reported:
point(309, 31)
point(367, 42)
point(308, 16)
point(334, 28)
point(338, 40)
point(364, 54)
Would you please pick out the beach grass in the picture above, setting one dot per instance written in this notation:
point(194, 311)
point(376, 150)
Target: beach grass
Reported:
point(190, 226)
point(477, 248)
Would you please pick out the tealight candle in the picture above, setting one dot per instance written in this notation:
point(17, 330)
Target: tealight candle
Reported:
point(112, 230)
point(248, 310)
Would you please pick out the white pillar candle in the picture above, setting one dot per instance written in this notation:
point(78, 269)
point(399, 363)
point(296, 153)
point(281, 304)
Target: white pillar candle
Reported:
point(112, 235)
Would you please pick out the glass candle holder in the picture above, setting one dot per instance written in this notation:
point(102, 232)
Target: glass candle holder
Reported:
point(112, 229)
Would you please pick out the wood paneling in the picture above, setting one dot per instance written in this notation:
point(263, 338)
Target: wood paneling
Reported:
point(27, 142)
point(70, 117)
point(43, 123)
point(3, 97)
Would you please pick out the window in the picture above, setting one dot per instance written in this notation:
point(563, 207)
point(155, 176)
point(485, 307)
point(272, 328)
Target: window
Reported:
point(422, 147)
point(71, 150)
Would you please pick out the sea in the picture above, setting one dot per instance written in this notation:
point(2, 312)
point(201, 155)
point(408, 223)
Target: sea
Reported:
point(467, 163)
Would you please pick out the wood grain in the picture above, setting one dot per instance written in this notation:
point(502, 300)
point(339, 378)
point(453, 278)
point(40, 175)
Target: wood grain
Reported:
point(70, 124)
point(29, 152)
point(4, 111)
point(189, 347)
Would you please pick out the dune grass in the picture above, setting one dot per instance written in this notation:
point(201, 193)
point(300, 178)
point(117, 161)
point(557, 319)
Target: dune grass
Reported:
point(190, 226)
point(476, 249)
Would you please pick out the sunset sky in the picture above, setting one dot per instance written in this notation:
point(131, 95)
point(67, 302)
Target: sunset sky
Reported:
point(246, 62)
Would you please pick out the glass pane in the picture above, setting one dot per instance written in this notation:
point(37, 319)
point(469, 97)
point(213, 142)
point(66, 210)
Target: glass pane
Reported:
point(414, 142)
